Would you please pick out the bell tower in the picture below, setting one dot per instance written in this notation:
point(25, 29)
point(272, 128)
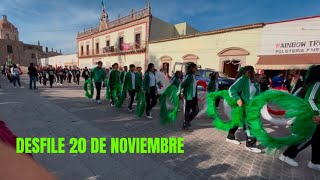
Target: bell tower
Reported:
point(104, 19)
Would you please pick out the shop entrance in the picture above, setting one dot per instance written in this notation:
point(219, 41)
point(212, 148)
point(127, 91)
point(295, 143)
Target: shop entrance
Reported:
point(231, 68)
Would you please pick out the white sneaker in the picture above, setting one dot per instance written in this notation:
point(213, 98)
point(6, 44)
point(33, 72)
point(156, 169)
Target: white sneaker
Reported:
point(254, 150)
point(236, 142)
point(149, 117)
point(314, 166)
point(288, 160)
point(99, 101)
point(130, 110)
point(112, 105)
point(15, 87)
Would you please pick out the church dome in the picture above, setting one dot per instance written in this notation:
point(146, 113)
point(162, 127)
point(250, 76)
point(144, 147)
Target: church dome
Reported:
point(5, 24)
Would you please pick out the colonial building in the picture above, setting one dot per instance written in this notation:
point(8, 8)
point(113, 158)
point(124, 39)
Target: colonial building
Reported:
point(291, 46)
point(224, 50)
point(14, 51)
point(125, 40)
point(66, 60)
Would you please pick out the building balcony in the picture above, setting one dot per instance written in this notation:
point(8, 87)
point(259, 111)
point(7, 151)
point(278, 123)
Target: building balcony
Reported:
point(126, 48)
point(118, 22)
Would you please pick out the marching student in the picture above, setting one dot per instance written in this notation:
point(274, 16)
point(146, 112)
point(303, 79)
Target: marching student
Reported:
point(213, 85)
point(243, 90)
point(114, 80)
point(130, 83)
point(77, 74)
point(150, 88)
point(61, 74)
point(139, 79)
point(69, 75)
point(176, 80)
point(123, 73)
point(51, 75)
point(98, 75)
point(44, 76)
point(190, 94)
point(311, 93)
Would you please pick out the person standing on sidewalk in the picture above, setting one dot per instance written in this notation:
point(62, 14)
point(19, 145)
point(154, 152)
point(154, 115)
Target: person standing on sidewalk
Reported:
point(190, 94)
point(33, 75)
point(150, 88)
point(242, 91)
point(51, 75)
point(15, 71)
point(98, 75)
point(85, 73)
point(311, 93)
point(114, 80)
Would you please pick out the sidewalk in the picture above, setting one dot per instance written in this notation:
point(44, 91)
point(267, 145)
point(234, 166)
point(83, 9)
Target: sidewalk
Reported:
point(64, 112)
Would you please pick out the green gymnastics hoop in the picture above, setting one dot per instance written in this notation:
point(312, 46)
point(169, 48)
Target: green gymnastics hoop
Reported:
point(85, 87)
point(165, 115)
point(298, 110)
point(236, 113)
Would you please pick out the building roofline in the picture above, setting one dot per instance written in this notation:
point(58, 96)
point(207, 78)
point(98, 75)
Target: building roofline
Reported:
point(218, 31)
point(295, 19)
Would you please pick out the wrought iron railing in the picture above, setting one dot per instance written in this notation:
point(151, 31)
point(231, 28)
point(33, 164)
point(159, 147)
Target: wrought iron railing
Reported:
point(120, 21)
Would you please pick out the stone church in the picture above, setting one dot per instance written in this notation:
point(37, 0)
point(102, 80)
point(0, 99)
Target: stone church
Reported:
point(12, 50)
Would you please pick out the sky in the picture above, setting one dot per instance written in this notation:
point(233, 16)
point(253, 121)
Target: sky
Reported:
point(55, 23)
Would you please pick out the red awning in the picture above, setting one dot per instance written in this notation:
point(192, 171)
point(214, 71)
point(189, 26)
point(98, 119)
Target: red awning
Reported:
point(287, 61)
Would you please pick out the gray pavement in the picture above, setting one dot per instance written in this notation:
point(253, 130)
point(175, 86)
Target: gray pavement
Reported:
point(64, 112)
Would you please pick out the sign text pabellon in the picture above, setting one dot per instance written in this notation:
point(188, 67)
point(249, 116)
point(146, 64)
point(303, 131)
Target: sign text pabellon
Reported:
point(298, 47)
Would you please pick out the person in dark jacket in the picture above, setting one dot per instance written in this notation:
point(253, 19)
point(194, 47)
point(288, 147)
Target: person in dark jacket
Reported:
point(85, 73)
point(33, 75)
point(77, 74)
point(264, 83)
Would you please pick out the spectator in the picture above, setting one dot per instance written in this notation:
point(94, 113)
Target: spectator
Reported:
point(277, 81)
point(33, 75)
point(264, 83)
point(15, 71)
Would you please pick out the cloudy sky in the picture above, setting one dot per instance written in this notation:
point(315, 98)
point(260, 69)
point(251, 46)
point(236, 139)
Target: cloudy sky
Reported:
point(55, 23)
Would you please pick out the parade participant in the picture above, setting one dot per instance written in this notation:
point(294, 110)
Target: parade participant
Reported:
point(77, 74)
point(61, 74)
point(277, 81)
point(243, 90)
point(39, 79)
point(123, 73)
point(150, 88)
point(85, 73)
point(114, 80)
point(189, 87)
point(139, 79)
point(129, 84)
point(213, 84)
point(15, 71)
point(98, 75)
point(8, 73)
point(66, 72)
point(33, 75)
point(44, 76)
point(69, 75)
point(51, 75)
point(311, 93)
point(176, 80)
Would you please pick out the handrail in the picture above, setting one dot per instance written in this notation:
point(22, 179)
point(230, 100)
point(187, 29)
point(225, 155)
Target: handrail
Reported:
point(120, 21)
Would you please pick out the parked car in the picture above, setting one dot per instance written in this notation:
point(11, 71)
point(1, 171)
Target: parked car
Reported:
point(204, 74)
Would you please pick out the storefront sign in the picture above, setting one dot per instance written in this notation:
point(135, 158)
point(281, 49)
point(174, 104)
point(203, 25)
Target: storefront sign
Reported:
point(301, 47)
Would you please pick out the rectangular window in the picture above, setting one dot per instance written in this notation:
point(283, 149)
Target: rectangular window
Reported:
point(7, 36)
point(97, 48)
point(120, 43)
point(137, 40)
point(81, 51)
point(33, 56)
point(108, 43)
point(87, 49)
point(9, 49)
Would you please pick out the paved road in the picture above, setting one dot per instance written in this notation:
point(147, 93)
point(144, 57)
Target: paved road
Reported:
point(64, 112)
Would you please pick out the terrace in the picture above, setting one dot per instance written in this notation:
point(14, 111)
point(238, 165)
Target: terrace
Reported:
point(118, 22)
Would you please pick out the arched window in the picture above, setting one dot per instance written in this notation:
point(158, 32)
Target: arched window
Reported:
point(190, 58)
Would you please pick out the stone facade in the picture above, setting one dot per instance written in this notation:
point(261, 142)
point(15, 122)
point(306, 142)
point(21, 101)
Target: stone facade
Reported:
point(16, 51)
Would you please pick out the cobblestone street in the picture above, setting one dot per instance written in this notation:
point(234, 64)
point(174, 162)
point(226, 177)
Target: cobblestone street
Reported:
point(64, 112)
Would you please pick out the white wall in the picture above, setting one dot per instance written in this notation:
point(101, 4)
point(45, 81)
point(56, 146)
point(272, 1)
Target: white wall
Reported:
point(302, 35)
point(62, 60)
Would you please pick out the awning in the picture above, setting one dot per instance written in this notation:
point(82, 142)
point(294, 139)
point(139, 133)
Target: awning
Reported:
point(287, 61)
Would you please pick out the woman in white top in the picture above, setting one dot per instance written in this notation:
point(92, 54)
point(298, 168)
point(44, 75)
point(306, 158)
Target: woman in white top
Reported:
point(15, 72)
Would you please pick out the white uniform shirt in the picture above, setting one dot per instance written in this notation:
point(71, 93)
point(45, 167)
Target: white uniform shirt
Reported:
point(133, 80)
point(152, 79)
